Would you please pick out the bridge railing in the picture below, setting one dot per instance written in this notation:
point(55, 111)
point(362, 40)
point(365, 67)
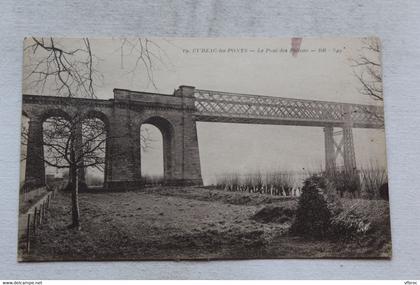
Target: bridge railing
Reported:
point(215, 103)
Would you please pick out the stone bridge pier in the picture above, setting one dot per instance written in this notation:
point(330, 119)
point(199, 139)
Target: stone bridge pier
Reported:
point(34, 168)
point(173, 115)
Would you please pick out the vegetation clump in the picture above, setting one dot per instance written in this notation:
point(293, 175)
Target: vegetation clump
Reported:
point(346, 183)
point(362, 220)
point(313, 216)
point(322, 214)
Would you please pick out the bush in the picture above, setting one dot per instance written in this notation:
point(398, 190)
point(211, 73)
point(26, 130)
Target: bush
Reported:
point(322, 215)
point(313, 214)
point(362, 219)
point(349, 225)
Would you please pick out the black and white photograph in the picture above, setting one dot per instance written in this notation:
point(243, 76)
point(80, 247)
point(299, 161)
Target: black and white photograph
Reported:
point(202, 149)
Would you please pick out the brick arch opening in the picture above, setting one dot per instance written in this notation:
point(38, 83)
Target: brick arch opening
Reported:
point(50, 113)
point(94, 114)
point(95, 125)
point(33, 129)
point(53, 160)
point(167, 143)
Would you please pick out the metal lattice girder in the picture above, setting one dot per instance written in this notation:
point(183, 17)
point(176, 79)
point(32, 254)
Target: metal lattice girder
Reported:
point(243, 108)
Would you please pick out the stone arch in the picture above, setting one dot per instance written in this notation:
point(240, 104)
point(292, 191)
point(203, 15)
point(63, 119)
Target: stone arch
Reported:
point(95, 114)
point(54, 113)
point(35, 166)
point(67, 120)
point(168, 141)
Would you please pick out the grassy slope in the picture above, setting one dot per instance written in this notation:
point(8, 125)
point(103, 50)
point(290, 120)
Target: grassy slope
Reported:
point(175, 223)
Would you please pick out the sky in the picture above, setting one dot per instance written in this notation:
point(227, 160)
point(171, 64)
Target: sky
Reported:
point(322, 70)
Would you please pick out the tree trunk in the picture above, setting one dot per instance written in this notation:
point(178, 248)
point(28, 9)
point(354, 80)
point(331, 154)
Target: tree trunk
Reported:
point(75, 198)
point(74, 174)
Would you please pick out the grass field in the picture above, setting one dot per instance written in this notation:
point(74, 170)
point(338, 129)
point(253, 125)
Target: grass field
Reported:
point(177, 223)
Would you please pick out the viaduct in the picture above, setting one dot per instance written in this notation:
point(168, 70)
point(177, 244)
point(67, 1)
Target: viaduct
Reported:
point(176, 116)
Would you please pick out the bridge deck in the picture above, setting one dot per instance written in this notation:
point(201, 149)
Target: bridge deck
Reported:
point(214, 106)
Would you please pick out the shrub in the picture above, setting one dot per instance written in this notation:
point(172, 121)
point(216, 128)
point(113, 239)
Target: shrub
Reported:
point(349, 225)
point(321, 215)
point(313, 214)
point(361, 219)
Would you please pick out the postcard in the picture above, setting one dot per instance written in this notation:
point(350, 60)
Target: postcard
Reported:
point(202, 149)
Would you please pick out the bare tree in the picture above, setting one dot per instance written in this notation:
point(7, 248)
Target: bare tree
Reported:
point(146, 53)
point(75, 144)
point(368, 69)
point(70, 69)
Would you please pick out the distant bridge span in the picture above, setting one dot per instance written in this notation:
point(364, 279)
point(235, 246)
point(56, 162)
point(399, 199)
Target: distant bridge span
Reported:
point(176, 116)
point(214, 106)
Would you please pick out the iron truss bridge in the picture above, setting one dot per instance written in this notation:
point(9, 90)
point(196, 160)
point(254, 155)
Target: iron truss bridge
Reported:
point(215, 106)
